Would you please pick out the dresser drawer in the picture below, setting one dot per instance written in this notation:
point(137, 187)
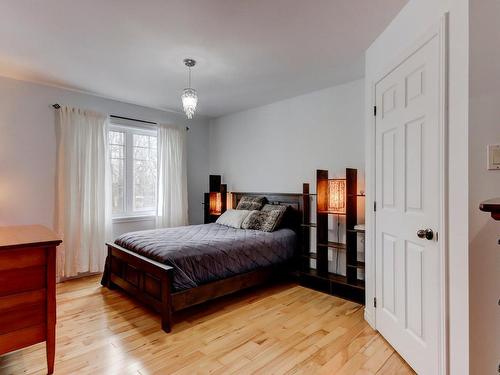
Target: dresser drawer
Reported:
point(25, 316)
point(22, 258)
point(22, 280)
point(22, 300)
point(22, 338)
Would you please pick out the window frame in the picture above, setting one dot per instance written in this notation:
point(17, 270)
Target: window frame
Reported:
point(128, 188)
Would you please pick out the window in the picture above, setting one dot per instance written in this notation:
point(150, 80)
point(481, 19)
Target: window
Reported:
point(133, 157)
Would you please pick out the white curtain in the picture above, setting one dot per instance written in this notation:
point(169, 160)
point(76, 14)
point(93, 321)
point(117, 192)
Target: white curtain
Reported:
point(172, 177)
point(83, 212)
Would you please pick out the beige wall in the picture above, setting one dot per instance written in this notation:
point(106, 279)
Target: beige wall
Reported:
point(279, 146)
point(484, 232)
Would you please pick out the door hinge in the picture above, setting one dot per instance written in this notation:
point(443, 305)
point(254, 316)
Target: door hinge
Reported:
point(375, 110)
point(375, 302)
point(375, 206)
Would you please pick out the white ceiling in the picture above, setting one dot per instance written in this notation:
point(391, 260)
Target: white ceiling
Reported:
point(249, 52)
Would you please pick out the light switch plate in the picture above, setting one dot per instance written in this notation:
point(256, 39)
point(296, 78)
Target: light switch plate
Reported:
point(494, 157)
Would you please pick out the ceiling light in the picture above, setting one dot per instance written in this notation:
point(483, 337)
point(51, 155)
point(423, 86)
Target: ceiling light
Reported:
point(189, 96)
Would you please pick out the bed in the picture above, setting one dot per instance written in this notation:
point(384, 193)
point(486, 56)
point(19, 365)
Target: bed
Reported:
point(174, 268)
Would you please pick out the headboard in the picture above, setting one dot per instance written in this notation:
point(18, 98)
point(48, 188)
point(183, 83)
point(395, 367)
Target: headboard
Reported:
point(293, 201)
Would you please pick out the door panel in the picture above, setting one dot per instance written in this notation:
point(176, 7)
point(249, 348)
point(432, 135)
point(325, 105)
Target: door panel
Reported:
point(388, 101)
point(407, 186)
point(388, 271)
point(414, 271)
point(414, 85)
point(389, 169)
point(413, 165)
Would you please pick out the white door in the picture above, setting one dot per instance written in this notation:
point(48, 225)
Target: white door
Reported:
point(408, 198)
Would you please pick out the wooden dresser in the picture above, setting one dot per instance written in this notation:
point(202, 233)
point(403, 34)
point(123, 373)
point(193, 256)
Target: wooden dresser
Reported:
point(27, 288)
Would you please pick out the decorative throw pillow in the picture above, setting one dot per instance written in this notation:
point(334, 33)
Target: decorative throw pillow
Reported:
point(251, 203)
point(265, 221)
point(276, 207)
point(233, 218)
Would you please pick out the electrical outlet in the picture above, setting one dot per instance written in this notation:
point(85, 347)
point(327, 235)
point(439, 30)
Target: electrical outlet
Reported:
point(494, 157)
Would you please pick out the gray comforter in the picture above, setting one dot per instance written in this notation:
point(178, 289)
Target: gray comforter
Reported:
point(209, 252)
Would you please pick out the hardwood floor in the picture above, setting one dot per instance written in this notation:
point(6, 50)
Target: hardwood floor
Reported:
point(271, 330)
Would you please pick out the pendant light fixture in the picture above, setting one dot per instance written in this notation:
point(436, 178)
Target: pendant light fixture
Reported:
point(189, 96)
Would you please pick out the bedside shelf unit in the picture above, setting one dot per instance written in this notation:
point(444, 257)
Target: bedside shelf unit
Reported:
point(348, 286)
point(215, 202)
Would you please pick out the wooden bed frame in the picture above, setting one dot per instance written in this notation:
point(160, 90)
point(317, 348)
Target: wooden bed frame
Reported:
point(150, 281)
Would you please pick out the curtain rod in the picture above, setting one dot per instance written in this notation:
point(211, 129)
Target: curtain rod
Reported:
point(57, 106)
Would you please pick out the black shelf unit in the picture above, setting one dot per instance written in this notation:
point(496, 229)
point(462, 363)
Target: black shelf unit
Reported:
point(348, 286)
point(333, 245)
point(310, 225)
point(215, 201)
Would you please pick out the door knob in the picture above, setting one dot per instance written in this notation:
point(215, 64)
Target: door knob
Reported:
point(428, 234)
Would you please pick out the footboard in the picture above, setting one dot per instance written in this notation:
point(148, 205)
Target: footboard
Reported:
point(145, 279)
point(150, 282)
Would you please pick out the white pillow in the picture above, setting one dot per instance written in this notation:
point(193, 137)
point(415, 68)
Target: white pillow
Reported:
point(233, 218)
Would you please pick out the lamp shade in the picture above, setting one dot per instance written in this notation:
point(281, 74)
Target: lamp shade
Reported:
point(189, 102)
point(215, 203)
point(337, 196)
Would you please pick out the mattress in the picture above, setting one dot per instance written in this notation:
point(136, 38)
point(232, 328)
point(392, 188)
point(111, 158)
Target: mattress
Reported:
point(203, 253)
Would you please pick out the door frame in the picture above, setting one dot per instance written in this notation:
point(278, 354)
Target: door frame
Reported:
point(440, 31)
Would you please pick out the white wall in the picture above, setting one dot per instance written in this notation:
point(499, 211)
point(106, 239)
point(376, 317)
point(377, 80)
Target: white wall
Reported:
point(28, 150)
point(484, 232)
point(412, 22)
point(277, 147)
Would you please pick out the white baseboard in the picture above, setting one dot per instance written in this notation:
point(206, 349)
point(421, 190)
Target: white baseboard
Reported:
point(370, 318)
